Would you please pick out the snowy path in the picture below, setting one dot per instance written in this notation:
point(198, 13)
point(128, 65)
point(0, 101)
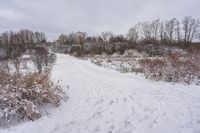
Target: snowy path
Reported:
point(105, 101)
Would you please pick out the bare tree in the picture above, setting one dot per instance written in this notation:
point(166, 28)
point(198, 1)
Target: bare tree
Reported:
point(27, 36)
point(63, 39)
point(39, 37)
point(40, 58)
point(106, 36)
point(154, 27)
point(162, 32)
point(190, 26)
point(170, 27)
point(80, 39)
point(178, 31)
point(132, 34)
point(5, 38)
point(147, 31)
point(198, 35)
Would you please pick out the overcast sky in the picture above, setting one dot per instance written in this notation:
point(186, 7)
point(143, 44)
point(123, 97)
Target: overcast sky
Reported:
point(93, 16)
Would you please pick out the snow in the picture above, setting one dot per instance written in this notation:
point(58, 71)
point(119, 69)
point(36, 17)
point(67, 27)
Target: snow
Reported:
point(105, 101)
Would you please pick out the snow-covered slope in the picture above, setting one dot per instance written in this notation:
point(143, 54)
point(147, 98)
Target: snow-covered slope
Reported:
point(105, 101)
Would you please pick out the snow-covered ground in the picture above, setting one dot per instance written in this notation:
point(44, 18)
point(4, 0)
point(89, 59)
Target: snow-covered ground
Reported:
point(105, 101)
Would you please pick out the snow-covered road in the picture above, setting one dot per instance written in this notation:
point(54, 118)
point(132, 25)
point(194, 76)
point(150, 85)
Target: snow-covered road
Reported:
point(105, 101)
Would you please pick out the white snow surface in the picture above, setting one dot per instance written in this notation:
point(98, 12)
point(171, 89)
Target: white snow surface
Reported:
point(106, 101)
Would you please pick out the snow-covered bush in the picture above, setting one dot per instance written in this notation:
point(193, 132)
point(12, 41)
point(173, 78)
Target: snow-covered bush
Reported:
point(22, 96)
point(152, 68)
point(128, 62)
point(173, 68)
point(42, 58)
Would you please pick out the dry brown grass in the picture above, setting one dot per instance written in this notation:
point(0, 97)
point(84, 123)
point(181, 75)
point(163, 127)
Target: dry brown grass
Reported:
point(173, 68)
point(22, 96)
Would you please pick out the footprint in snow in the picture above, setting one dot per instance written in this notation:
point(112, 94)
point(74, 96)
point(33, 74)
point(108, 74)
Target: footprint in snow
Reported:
point(127, 123)
point(97, 129)
point(111, 102)
point(98, 102)
point(112, 127)
point(125, 99)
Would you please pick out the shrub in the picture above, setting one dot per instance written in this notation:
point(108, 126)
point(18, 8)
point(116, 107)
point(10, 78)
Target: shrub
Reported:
point(42, 58)
point(173, 68)
point(23, 96)
point(152, 68)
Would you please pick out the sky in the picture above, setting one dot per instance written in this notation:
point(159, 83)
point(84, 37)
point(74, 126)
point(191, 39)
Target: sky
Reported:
point(92, 16)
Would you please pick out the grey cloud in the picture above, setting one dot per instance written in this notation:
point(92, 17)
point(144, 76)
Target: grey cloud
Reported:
point(93, 16)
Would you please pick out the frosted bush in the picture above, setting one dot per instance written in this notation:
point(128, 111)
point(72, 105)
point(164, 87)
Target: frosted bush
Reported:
point(173, 68)
point(23, 96)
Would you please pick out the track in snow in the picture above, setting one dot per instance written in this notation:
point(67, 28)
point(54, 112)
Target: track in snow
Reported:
point(105, 101)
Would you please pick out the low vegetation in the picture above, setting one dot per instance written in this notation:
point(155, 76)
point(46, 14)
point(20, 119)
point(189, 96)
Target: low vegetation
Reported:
point(173, 68)
point(25, 78)
point(23, 96)
point(180, 67)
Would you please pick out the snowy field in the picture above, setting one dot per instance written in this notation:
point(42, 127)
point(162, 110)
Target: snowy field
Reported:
point(105, 101)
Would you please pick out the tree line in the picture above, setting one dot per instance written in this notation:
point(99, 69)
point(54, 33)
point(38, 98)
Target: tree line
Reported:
point(16, 42)
point(170, 32)
point(22, 37)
